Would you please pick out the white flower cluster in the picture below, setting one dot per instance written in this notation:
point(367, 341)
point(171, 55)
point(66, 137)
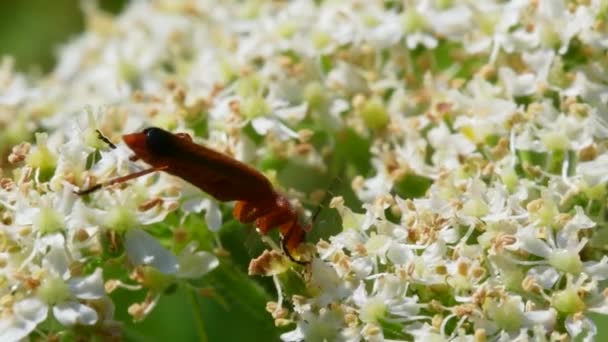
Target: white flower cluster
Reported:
point(477, 141)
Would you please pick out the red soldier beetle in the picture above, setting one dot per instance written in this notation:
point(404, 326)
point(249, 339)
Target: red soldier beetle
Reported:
point(223, 177)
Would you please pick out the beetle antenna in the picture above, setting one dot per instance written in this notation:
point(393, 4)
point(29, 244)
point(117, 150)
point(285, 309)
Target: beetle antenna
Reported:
point(118, 180)
point(105, 139)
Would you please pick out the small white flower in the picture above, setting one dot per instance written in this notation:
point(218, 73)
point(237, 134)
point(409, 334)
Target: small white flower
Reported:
point(448, 146)
point(194, 264)
point(213, 215)
point(143, 249)
point(27, 314)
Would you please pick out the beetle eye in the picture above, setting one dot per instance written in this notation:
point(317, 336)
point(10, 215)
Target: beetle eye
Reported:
point(158, 140)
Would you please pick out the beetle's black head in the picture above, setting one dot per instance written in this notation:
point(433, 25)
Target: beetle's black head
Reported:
point(159, 141)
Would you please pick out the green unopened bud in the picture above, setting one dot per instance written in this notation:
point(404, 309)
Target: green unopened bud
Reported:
point(460, 283)
point(48, 221)
point(475, 207)
point(374, 310)
point(487, 23)
point(597, 192)
point(557, 74)
point(165, 120)
point(512, 278)
point(413, 21)
point(251, 9)
point(16, 131)
point(286, 29)
point(314, 94)
point(602, 10)
point(127, 71)
point(320, 39)
point(120, 219)
point(42, 158)
point(543, 210)
point(370, 21)
point(568, 301)
point(509, 178)
point(566, 261)
point(555, 141)
point(376, 242)
point(228, 71)
point(549, 37)
point(254, 106)
point(249, 86)
point(53, 291)
point(154, 279)
point(444, 4)
point(508, 315)
point(374, 114)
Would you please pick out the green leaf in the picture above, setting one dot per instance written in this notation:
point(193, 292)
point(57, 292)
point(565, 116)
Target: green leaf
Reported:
point(352, 150)
point(412, 186)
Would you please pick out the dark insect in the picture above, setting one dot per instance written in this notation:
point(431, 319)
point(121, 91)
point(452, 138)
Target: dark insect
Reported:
point(219, 175)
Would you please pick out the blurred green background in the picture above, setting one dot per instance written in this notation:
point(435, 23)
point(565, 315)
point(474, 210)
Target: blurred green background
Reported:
point(32, 31)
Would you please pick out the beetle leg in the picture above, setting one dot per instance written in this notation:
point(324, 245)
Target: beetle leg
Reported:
point(290, 241)
point(247, 212)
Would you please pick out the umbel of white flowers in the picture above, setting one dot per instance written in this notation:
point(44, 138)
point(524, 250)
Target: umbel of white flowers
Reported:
point(474, 134)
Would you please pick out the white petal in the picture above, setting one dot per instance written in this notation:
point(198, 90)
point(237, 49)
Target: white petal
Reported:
point(90, 287)
point(196, 265)
point(27, 314)
point(213, 216)
point(530, 243)
point(143, 249)
point(579, 221)
point(71, 313)
point(284, 132)
point(577, 326)
point(544, 317)
point(25, 216)
point(539, 61)
point(598, 270)
point(31, 309)
point(153, 216)
point(599, 125)
point(57, 260)
point(517, 84)
point(362, 267)
point(546, 276)
point(359, 296)
point(53, 240)
point(195, 205)
point(13, 330)
point(601, 307)
point(449, 235)
point(294, 335)
point(262, 125)
point(399, 254)
point(338, 106)
point(295, 113)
